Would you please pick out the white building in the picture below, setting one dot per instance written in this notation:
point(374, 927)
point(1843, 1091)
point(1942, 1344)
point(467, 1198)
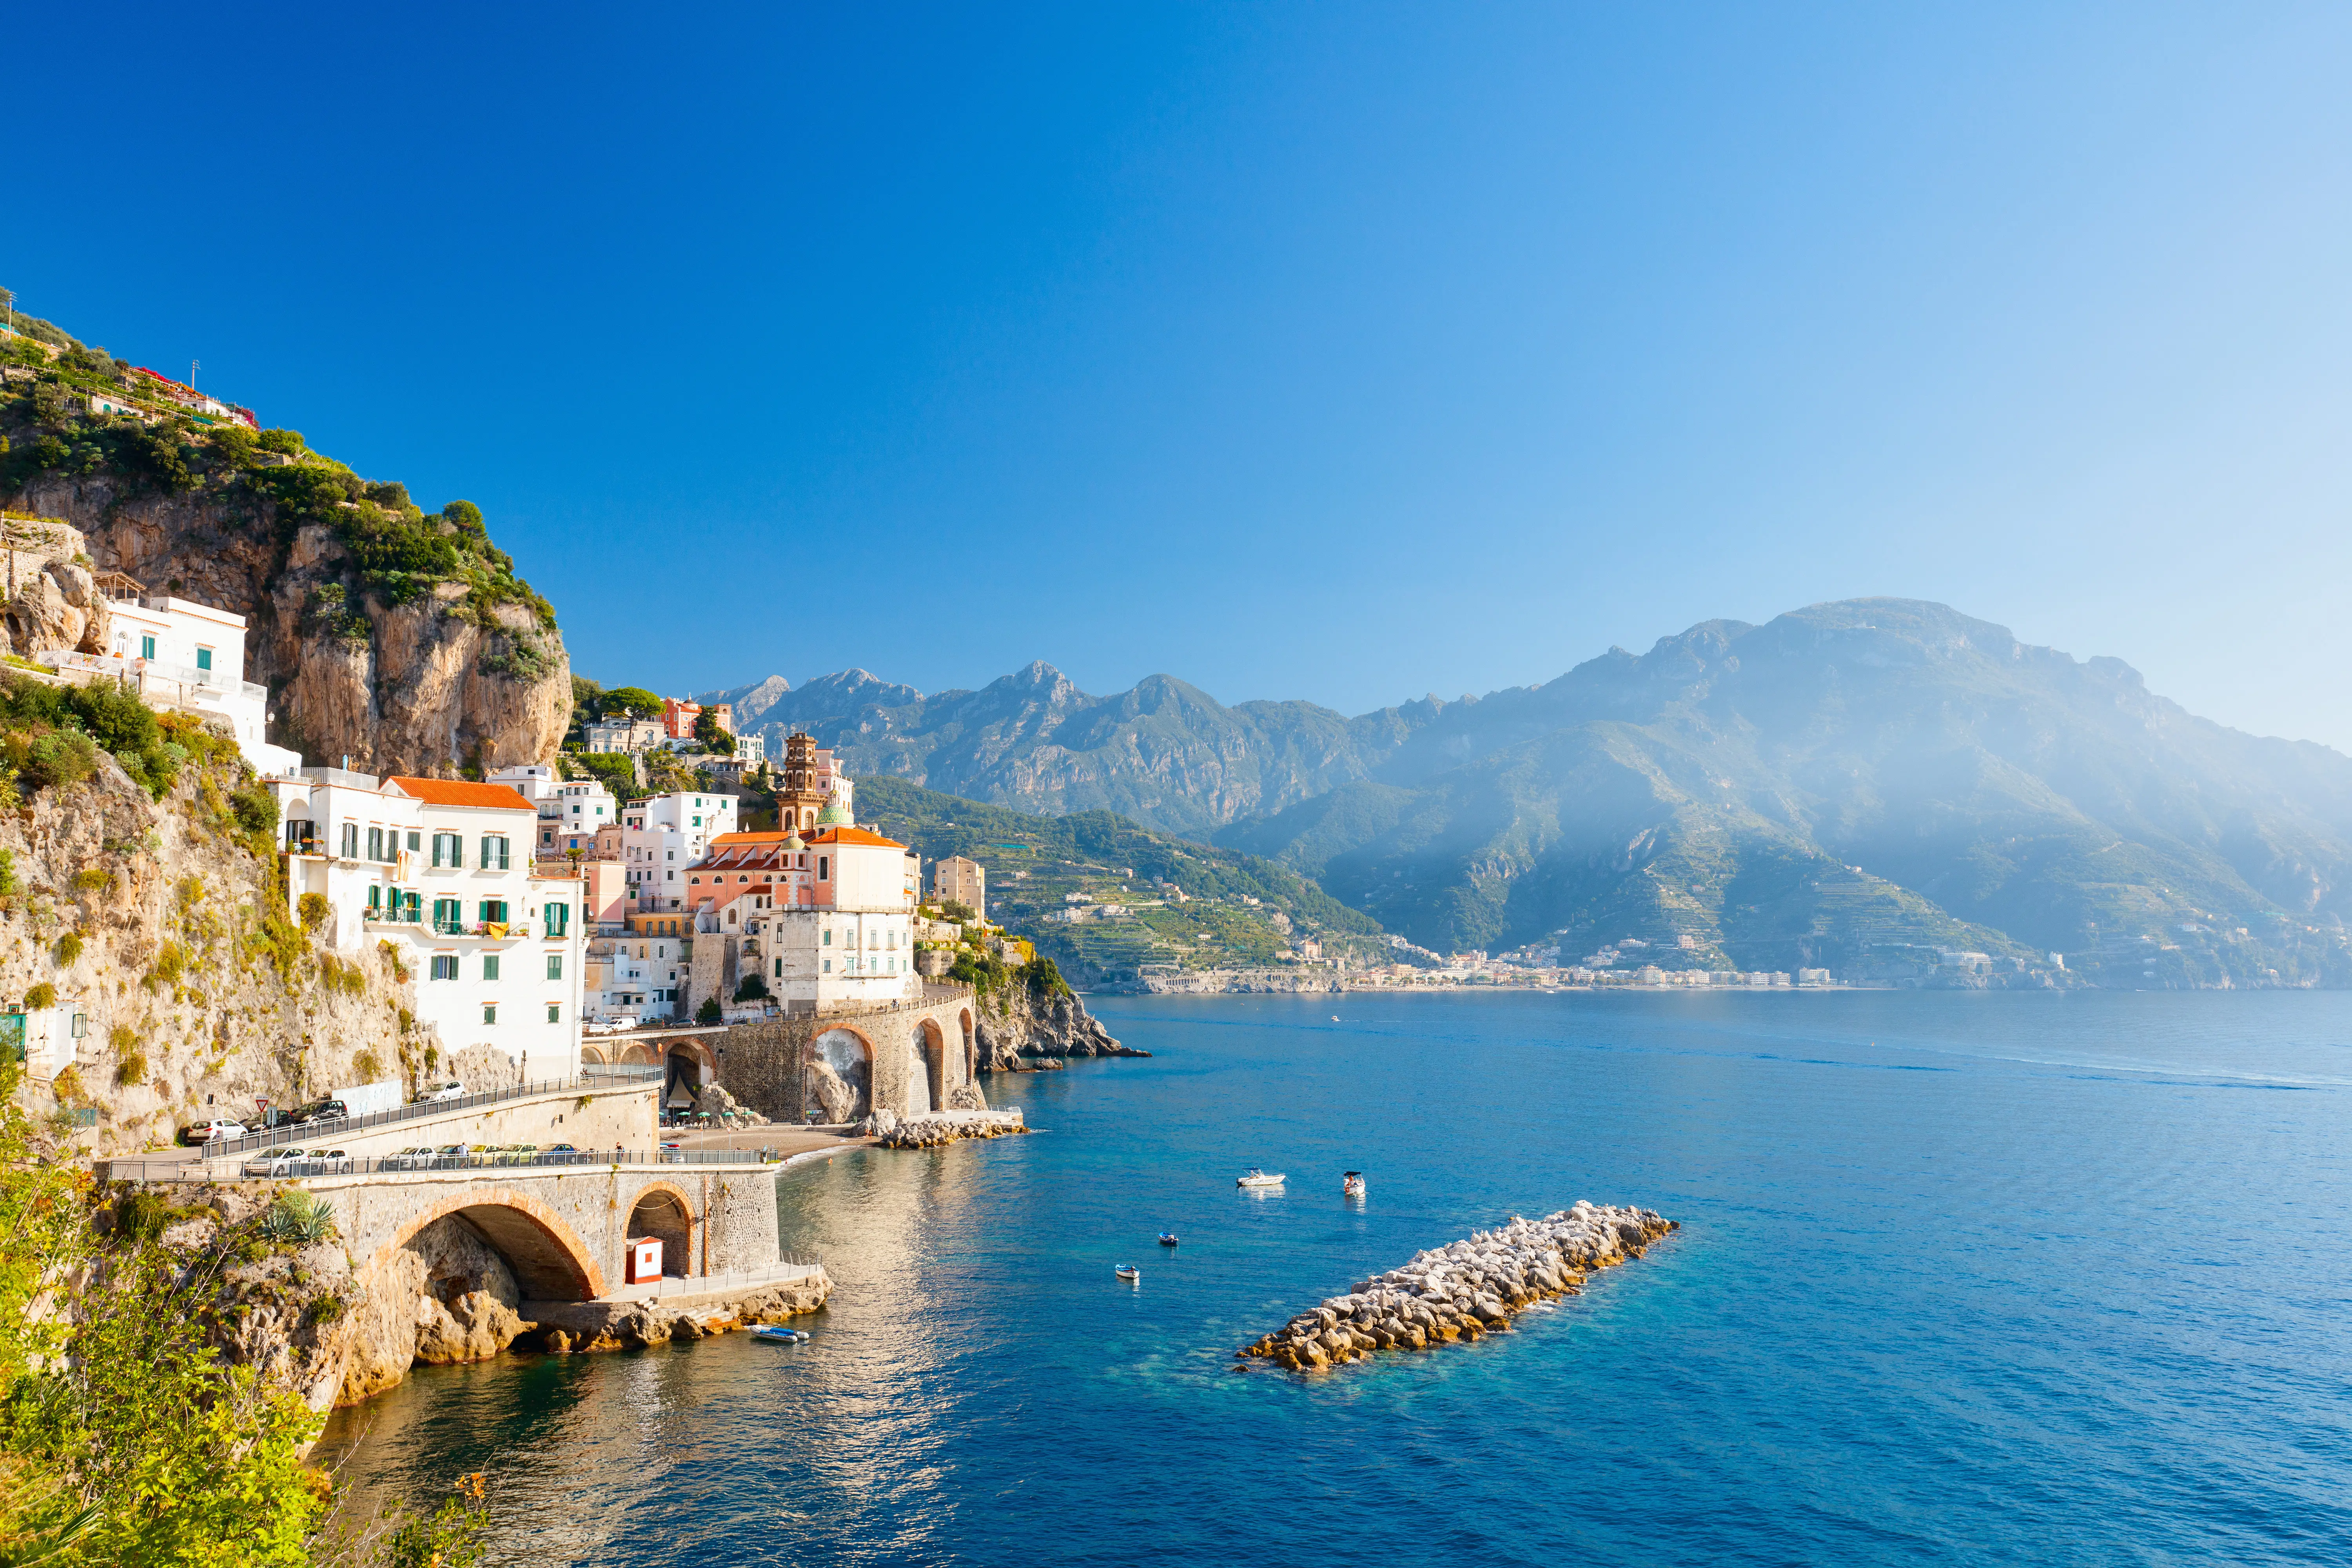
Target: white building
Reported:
point(640, 973)
point(443, 868)
point(625, 734)
point(832, 925)
point(175, 653)
point(570, 811)
point(663, 834)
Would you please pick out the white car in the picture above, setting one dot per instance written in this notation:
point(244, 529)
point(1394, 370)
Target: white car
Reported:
point(441, 1092)
point(212, 1132)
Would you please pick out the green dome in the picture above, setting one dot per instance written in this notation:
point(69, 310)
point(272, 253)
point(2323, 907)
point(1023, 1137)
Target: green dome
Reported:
point(833, 816)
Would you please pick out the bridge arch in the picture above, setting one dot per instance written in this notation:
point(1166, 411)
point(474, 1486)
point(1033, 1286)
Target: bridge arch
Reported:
point(931, 1048)
point(839, 1076)
point(662, 1210)
point(550, 1261)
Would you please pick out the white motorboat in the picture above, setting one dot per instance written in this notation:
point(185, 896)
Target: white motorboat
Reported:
point(1351, 1184)
point(1254, 1177)
point(1128, 1272)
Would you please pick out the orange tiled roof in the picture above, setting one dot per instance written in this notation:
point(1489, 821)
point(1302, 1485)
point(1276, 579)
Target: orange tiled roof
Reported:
point(854, 836)
point(463, 791)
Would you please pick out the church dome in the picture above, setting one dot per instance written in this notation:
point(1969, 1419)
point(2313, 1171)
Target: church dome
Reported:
point(834, 815)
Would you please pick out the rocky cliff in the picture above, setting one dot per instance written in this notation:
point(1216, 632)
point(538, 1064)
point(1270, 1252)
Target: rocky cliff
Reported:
point(423, 685)
point(1020, 1031)
point(160, 923)
point(400, 639)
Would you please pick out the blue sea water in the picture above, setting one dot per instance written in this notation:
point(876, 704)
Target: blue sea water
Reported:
point(1961, 1279)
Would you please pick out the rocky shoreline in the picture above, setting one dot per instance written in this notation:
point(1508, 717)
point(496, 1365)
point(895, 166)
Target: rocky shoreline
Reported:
point(570, 1327)
point(1463, 1291)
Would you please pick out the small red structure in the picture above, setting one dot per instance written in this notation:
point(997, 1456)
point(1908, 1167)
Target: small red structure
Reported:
point(645, 1260)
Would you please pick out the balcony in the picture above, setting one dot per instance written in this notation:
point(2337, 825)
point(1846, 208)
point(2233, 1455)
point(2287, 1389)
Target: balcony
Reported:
point(153, 678)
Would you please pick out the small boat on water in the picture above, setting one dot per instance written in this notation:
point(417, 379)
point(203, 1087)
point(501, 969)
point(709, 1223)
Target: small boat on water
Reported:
point(1128, 1272)
point(1167, 1238)
point(1254, 1177)
point(775, 1335)
point(1351, 1184)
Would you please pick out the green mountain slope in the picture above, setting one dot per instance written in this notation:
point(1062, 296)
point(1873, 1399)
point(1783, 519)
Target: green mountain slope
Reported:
point(1233, 909)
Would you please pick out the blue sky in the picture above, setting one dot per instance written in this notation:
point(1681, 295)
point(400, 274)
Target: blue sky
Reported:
point(1343, 353)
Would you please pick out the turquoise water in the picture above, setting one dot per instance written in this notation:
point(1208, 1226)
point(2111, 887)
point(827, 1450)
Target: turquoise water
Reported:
point(1962, 1279)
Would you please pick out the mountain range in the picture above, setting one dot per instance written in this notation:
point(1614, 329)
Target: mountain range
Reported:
point(1844, 780)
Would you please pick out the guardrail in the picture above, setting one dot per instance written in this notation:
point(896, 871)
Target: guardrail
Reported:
point(607, 1077)
point(290, 1170)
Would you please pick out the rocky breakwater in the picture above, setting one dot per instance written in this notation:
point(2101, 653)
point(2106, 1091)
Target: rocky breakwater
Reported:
point(1463, 1291)
point(888, 1132)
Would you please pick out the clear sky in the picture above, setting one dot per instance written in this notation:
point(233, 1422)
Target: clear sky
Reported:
point(1343, 352)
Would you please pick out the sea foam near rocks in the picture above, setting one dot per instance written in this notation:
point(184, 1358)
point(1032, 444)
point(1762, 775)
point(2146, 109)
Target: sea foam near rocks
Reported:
point(1465, 1289)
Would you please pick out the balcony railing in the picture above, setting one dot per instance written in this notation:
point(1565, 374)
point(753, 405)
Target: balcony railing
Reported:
point(146, 673)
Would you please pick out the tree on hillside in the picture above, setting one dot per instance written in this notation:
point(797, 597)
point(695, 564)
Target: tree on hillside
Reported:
point(634, 700)
point(712, 734)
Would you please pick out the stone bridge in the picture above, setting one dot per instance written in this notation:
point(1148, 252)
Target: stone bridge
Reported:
point(563, 1230)
point(833, 1067)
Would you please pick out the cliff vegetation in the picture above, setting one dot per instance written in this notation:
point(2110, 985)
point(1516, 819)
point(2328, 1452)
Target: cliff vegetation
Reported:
point(402, 638)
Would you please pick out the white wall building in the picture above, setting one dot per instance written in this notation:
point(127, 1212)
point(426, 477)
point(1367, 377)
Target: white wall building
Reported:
point(639, 974)
point(444, 868)
point(624, 734)
point(661, 836)
point(175, 653)
point(568, 809)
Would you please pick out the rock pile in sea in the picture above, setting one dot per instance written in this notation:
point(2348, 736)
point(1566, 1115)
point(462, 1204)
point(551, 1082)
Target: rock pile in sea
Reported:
point(937, 1131)
point(1463, 1291)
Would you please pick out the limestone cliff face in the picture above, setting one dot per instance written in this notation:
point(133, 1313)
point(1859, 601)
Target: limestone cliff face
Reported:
point(1023, 1033)
point(144, 917)
point(420, 686)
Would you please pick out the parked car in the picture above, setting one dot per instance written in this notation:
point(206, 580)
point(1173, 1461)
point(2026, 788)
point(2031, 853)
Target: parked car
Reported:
point(562, 1149)
point(449, 1151)
point(268, 1159)
point(320, 1111)
point(435, 1093)
point(211, 1131)
point(413, 1158)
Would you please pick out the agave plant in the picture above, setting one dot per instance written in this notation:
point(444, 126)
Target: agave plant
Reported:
point(298, 1219)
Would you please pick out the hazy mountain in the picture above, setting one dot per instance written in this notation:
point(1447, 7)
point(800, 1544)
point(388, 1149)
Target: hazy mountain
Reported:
point(1721, 788)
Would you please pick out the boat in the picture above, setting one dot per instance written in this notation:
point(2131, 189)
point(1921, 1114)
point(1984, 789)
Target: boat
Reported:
point(1352, 1184)
point(779, 1336)
point(1167, 1238)
point(1254, 1177)
point(1128, 1271)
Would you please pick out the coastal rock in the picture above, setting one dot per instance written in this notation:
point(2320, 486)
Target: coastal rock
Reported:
point(1463, 1291)
point(566, 1328)
point(1022, 1032)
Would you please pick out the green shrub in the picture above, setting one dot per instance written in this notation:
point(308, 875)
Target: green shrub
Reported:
point(369, 1068)
point(122, 1039)
point(90, 879)
point(59, 760)
point(289, 442)
point(68, 947)
point(314, 908)
point(708, 1013)
point(752, 989)
point(255, 808)
point(298, 1219)
point(132, 1069)
point(170, 963)
point(42, 995)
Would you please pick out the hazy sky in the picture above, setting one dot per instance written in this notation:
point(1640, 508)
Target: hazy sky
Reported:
point(1345, 353)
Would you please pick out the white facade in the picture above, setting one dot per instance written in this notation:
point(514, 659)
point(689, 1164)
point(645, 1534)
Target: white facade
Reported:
point(176, 653)
point(661, 836)
point(624, 734)
point(638, 974)
point(445, 869)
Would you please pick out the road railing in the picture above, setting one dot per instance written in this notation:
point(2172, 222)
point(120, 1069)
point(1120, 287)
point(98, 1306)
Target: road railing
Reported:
point(589, 1079)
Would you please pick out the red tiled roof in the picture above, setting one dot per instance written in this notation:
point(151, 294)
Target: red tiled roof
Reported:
point(463, 791)
point(854, 836)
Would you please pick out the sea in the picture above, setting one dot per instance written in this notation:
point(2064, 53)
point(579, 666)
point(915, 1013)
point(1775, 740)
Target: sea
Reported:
point(1962, 1277)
